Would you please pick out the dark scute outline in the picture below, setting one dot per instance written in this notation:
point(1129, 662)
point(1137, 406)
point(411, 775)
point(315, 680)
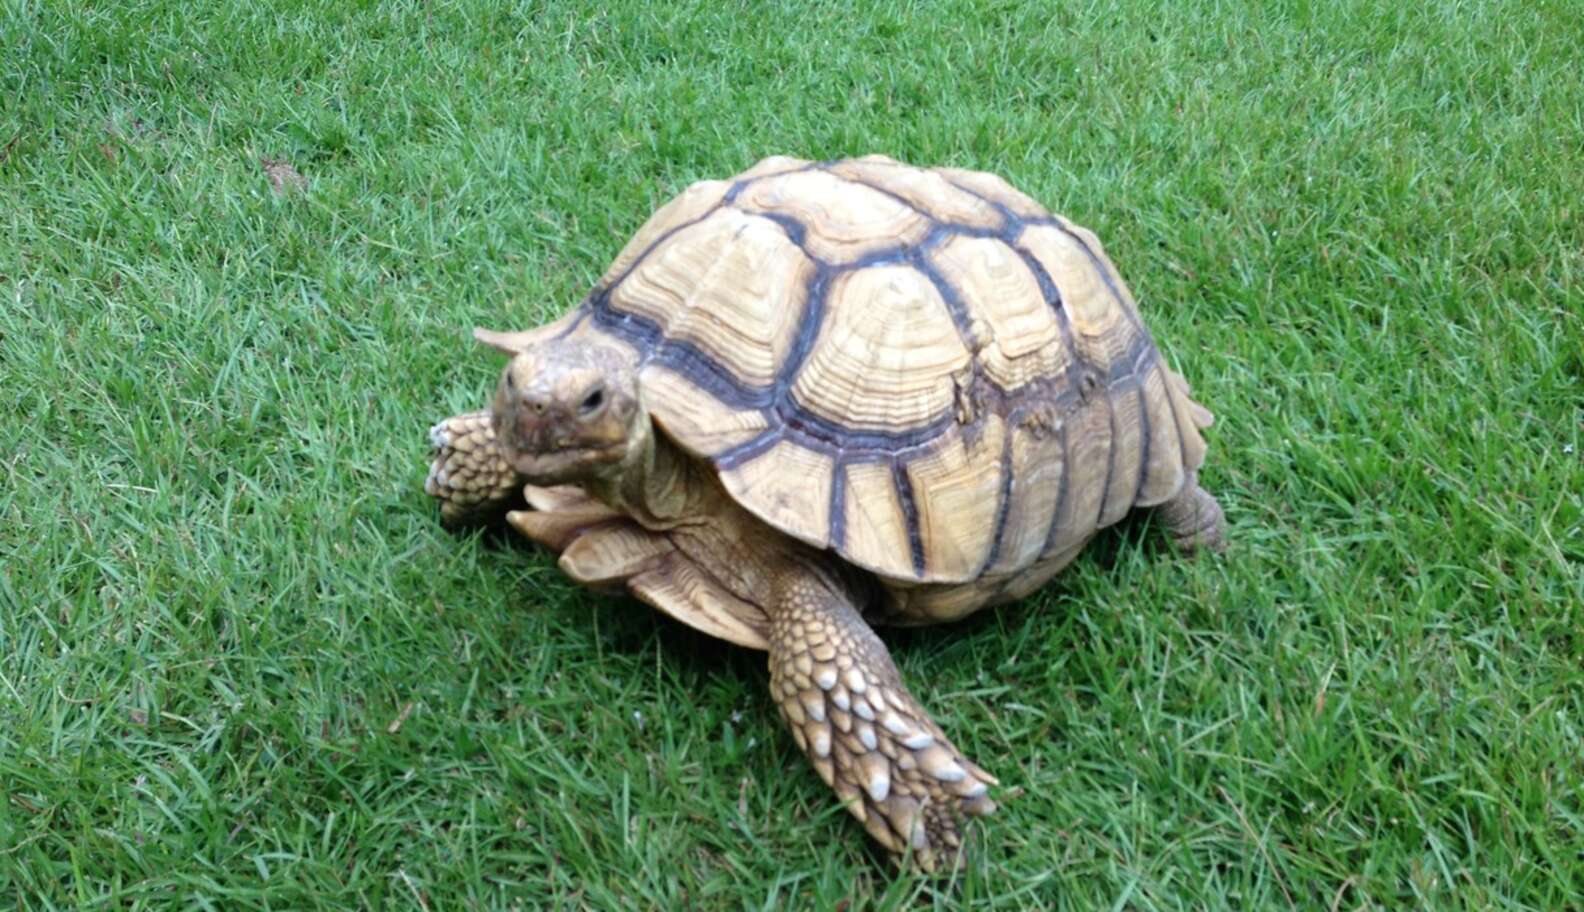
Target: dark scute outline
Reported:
point(737, 187)
point(1061, 494)
point(837, 510)
point(955, 305)
point(904, 489)
point(747, 451)
point(1004, 505)
point(1111, 452)
point(814, 299)
point(1144, 440)
point(795, 230)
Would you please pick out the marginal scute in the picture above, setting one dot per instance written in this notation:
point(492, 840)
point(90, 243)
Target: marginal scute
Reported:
point(696, 420)
point(1191, 419)
point(1039, 467)
point(885, 354)
point(876, 528)
point(612, 552)
point(1088, 463)
point(958, 489)
point(511, 343)
point(553, 530)
point(1163, 470)
point(787, 486)
point(1127, 454)
point(842, 221)
point(943, 604)
point(590, 331)
point(678, 587)
point(1027, 581)
point(568, 498)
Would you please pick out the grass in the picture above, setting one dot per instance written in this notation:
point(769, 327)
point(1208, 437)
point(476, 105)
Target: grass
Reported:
point(241, 666)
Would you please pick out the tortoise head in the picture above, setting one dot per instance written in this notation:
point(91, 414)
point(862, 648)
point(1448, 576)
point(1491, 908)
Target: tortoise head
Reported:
point(565, 410)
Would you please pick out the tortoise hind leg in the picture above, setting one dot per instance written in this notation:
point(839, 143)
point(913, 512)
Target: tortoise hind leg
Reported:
point(866, 735)
point(468, 475)
point(1194, 519)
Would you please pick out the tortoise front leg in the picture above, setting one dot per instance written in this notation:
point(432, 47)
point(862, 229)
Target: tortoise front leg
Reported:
point(865, 733)
point(468, 474)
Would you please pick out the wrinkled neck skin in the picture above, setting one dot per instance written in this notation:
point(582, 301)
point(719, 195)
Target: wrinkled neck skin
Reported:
point(652, 483)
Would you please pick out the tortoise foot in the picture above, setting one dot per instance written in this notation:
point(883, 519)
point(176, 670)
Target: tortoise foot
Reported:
point(468, 475)
point(1194, 519)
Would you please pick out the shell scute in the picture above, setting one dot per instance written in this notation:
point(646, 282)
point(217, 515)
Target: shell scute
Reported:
point(885, 353)
point(958, 490)
point(839, 221)
point(789, 486)
point(731, 284)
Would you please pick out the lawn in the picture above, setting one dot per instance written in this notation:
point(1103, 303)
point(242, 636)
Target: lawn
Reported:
point(243, 667)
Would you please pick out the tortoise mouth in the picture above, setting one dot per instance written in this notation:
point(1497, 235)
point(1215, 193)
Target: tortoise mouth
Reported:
point(564, 464)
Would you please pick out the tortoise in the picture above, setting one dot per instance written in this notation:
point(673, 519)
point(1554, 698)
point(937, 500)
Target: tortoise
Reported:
point(823, 396)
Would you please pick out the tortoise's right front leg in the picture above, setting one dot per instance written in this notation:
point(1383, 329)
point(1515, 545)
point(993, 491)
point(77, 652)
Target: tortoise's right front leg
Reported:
point(469, 475)
point(866, 735)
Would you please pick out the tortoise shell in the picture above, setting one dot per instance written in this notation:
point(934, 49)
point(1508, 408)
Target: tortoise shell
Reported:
point(922, 370)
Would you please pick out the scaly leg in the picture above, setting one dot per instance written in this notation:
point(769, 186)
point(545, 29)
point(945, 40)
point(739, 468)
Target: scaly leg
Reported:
point(468, 474)
point(1193, 518)
point(866, 735)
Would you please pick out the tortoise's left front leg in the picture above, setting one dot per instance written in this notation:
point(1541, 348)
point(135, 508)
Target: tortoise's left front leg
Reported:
point(865, 733)
point(469, 475)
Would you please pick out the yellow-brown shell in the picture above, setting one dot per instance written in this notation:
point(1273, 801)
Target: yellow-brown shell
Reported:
point(921, 370)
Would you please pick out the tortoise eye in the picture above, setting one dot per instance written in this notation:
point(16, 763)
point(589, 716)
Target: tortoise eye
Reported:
point(593, 401)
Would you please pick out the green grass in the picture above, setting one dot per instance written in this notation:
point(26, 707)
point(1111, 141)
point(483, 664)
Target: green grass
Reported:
point(1355, 227)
